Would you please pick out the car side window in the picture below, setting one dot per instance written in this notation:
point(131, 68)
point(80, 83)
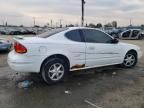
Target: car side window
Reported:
point(126, 34)
point(74, 35)
point(96, 36)
point(135, 33)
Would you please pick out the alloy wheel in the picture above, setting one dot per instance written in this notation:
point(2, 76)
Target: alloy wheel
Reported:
point(129, 60)
point(56, 71)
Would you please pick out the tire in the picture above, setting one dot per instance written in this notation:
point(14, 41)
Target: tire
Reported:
point(54, 70)
point(130, 60)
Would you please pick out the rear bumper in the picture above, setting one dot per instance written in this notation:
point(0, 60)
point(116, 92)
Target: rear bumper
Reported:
point(20, 66)
point(21, 63)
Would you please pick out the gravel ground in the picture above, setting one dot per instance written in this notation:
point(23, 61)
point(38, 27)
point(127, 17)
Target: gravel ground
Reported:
point(98, 86)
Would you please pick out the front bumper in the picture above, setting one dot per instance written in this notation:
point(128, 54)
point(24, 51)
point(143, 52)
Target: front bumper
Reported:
point(140, 53)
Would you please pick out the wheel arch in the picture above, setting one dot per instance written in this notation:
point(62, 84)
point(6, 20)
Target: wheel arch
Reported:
point(65, 58)
point(134, 51)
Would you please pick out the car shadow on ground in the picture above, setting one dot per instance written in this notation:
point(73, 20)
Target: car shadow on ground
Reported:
point(76, 77)
point(91, 84)
point(3, 52)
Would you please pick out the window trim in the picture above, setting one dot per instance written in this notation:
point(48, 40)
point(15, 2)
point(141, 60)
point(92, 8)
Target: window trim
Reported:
point(125, 32)
point(81, 36)
point(95, 30)
point(137, 33)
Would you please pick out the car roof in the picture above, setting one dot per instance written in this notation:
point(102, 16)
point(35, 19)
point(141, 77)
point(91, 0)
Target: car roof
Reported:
point(73, 28)
point(134, 29)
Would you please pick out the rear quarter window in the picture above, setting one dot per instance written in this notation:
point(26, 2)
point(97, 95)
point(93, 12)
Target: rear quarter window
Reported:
point(74, 35)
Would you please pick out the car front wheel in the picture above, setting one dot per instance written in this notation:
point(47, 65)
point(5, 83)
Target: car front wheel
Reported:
point(130, 60)
point(54, 70)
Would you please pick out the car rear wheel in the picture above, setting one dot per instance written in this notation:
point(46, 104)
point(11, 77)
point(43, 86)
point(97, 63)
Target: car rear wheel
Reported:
point(54, 70)
point(130, 60)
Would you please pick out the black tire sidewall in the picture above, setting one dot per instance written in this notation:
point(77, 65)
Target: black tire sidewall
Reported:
point(46, 67)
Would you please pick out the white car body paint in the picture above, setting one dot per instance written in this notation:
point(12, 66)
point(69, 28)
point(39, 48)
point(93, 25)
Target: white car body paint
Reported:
point(89, 54)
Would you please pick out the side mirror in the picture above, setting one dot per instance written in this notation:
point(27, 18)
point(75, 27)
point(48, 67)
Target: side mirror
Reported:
point(115, 41)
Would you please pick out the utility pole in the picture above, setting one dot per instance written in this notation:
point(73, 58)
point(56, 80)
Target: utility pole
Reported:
point(82, 18)
point(56, 25)
point(3, 22)
point(34, 21)
point(51, 23)
point(60, 23)
point(6, 24)
point(130, 22)
point(48, 25)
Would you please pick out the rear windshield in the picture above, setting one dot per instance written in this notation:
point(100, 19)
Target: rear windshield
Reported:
point(51, 32)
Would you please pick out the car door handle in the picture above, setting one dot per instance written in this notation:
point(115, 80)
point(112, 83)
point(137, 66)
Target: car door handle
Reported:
point(91, 48)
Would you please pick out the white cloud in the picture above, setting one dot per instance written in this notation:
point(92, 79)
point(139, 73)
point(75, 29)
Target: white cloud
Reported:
point(22, 11)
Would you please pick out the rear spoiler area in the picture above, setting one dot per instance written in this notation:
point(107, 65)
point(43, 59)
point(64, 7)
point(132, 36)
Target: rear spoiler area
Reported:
point(18, 39)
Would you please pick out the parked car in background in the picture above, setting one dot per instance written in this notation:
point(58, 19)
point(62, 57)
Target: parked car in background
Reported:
point(28, 32)
point(2, 32)
point(5, 45)
point(54, 53)
point(114, 32)
point(24, 31)
point(15, 33)
point(132, 34)
point(20, 32)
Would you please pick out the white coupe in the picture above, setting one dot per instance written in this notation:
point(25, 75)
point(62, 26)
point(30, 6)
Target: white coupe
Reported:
point(56, 52)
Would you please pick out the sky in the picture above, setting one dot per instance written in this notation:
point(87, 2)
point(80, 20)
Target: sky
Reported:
point(22, 12)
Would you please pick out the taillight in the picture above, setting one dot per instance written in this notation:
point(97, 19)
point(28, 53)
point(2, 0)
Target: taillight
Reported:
point(19, 48)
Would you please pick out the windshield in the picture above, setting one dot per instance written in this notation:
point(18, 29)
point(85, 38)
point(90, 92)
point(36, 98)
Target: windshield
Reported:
point(51, 32)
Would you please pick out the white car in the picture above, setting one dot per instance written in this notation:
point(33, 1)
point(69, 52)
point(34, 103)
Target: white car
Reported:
point(55, 53)
point(132, 34)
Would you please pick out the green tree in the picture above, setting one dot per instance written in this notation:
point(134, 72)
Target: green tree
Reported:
point(70, 25)
point(108, 25)
point(99, 25)
point(92, 25)
point(114, 24)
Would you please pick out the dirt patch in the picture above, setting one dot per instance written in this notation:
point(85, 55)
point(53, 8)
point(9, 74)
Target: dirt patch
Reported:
point(110, 87)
